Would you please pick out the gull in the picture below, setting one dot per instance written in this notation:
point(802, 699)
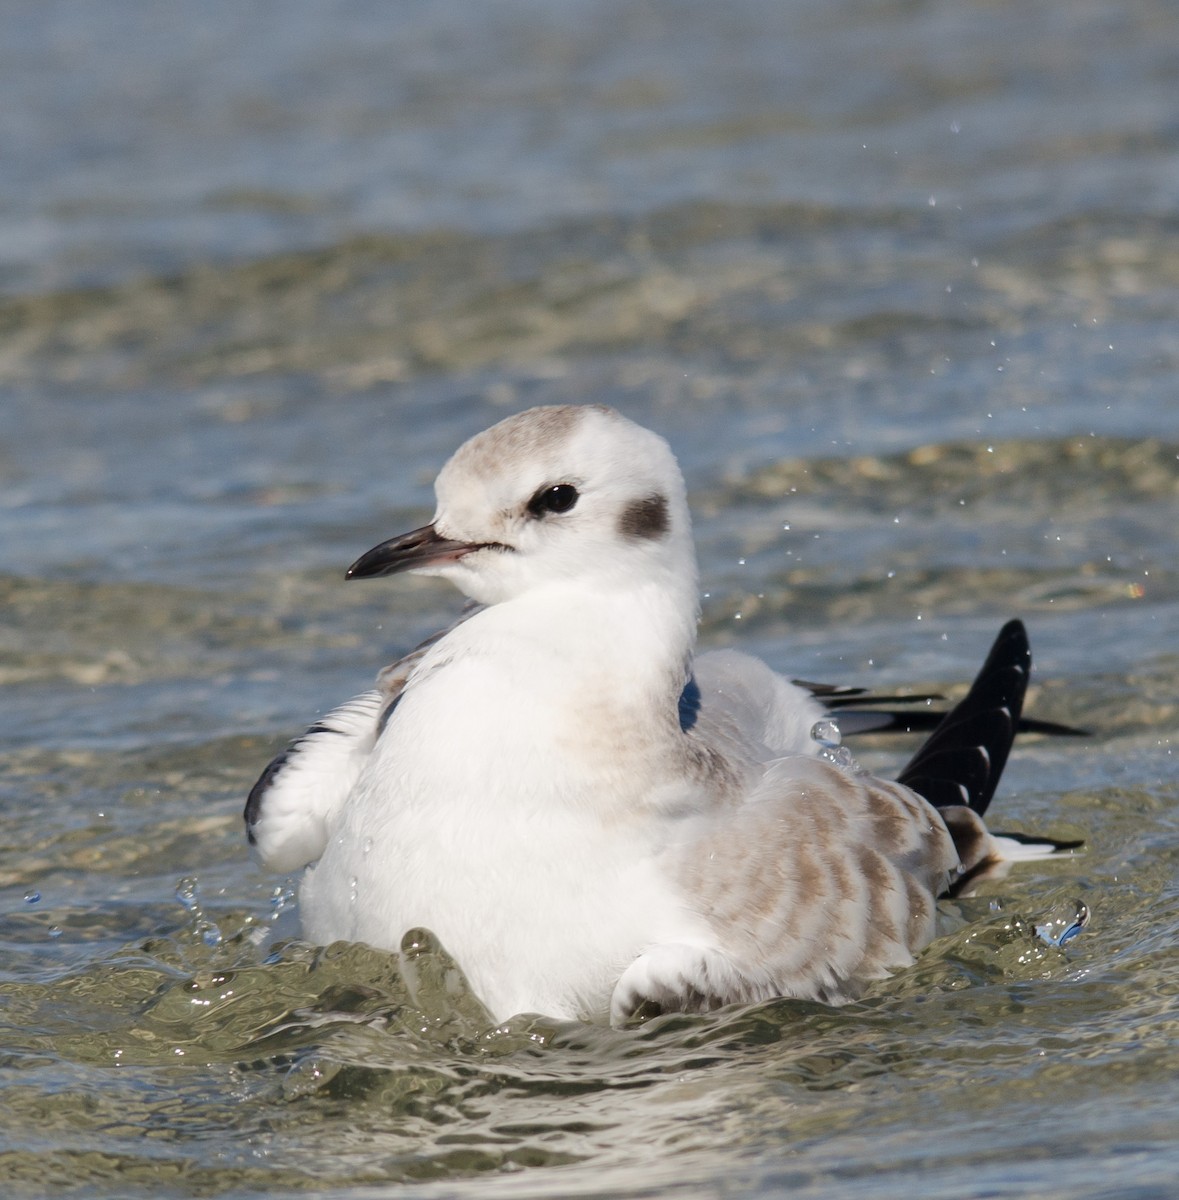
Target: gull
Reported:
point(596, 821)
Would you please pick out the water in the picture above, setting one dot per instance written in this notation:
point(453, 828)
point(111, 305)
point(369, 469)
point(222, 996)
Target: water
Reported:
point(899, 282)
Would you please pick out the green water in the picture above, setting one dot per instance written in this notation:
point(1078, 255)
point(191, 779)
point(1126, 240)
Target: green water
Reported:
point(899, 284)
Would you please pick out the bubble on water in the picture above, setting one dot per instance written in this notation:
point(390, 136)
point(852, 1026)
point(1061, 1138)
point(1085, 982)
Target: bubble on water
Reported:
point(366, 845)
point(1063, 923)
point(55, 931)
point(353, 889)
point(32, 896)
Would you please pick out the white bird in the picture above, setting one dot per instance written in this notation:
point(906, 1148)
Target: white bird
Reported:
point(595, 821)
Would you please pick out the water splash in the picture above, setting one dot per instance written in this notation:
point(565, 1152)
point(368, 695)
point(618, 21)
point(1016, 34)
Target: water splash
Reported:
point(281, 898)
point(188, 892)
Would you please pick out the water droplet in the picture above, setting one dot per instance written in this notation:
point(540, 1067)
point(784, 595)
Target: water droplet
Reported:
point(829, 738)
point(842, 757)
point(32, 896)
point(188, 892)
point(826, 733)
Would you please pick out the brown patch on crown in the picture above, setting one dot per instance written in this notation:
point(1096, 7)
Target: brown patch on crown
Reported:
point(645, 520)
point(527, 433)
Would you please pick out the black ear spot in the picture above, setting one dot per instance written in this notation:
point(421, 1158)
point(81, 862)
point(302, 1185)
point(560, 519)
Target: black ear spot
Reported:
point(645, 519)
point(553, 498)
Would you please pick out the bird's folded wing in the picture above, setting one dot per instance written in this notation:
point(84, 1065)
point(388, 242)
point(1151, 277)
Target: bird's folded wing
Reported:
point(290, 810)
point(822, 881)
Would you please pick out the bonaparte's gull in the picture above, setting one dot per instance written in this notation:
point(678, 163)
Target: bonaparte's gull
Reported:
point(594, 820)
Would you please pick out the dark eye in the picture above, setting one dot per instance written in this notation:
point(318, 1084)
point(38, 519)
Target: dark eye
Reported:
point(559, 498)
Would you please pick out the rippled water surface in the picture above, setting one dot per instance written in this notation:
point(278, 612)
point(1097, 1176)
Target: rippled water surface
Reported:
point(900, 282)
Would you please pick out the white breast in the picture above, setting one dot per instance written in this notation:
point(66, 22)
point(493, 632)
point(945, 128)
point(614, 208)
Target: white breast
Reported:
point(548, 866)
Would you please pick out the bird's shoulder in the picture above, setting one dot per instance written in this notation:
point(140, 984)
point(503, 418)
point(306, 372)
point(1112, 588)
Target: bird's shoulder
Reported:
point(392, 680)
point(736, 698)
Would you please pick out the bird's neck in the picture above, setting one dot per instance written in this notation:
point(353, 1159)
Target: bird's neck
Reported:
point(640, 637)
point(577, 689)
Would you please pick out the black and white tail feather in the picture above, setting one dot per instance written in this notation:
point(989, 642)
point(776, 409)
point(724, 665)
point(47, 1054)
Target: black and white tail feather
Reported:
point(958, 767)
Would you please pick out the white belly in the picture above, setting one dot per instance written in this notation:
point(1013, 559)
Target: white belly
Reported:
point(542, 917)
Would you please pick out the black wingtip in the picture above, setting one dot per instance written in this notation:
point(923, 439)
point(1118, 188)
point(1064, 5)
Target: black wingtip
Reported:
point(963, 758)
point(1051, 728)
point(253, 809)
